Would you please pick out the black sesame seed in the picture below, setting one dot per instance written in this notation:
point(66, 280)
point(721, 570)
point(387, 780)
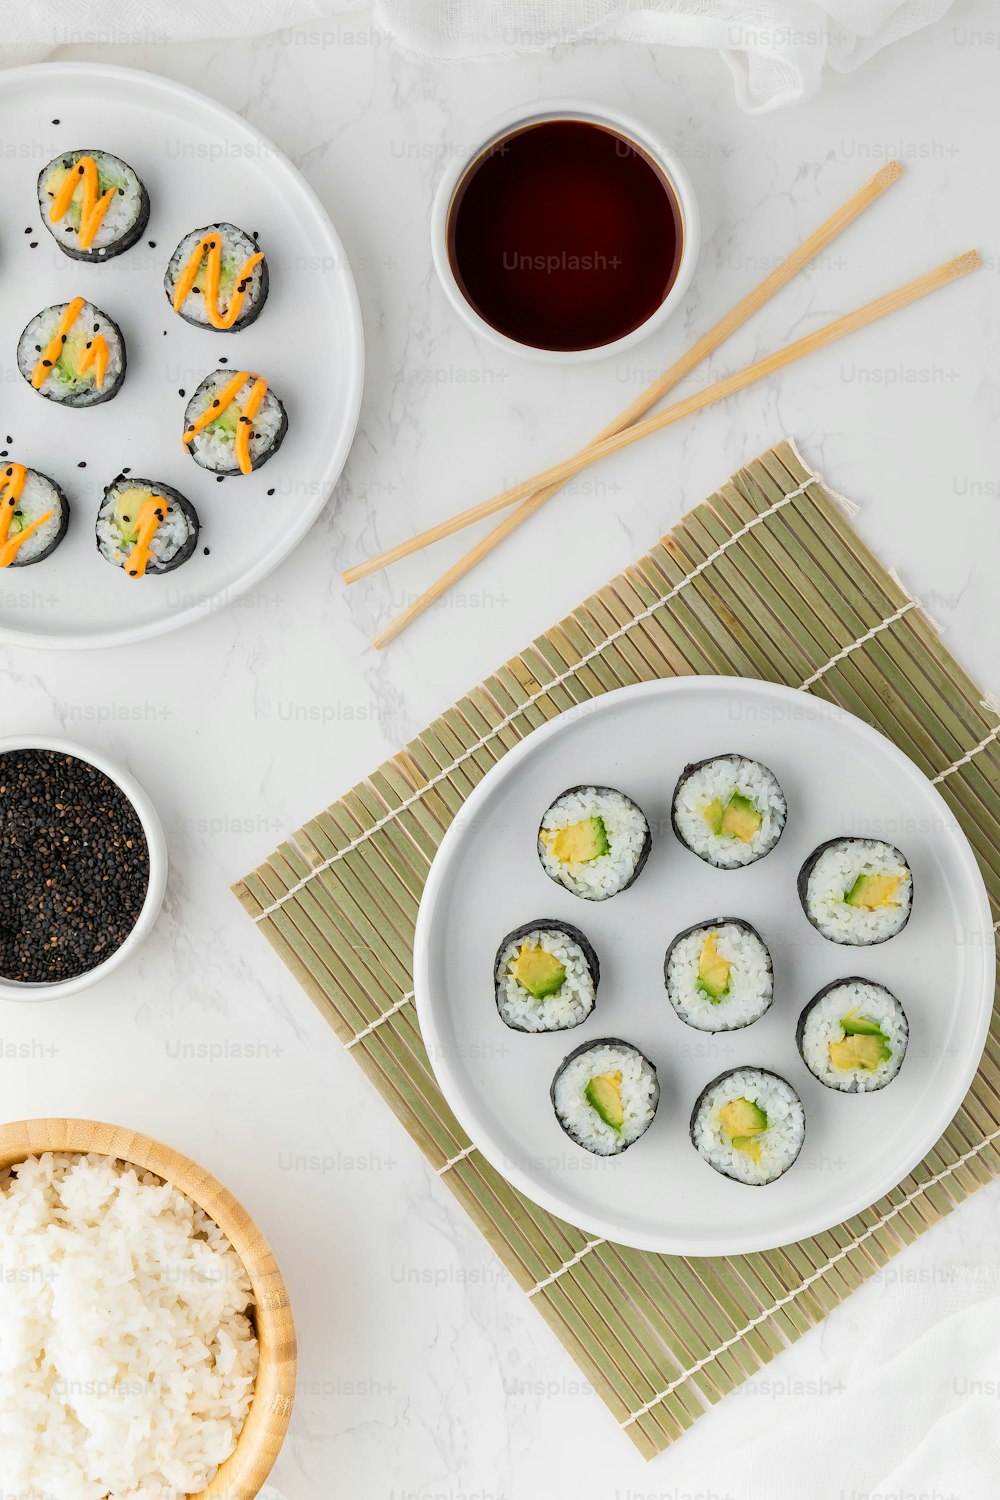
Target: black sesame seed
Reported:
point(55, 122)
point(207, 551)
point(180, 393)
point(152, 244)
point(74, 866)
point(126, 470)
point(82, 464)
point(28, 230)
point(270, 492)
point(223, 359)
point(33, 245)
point(219, 478)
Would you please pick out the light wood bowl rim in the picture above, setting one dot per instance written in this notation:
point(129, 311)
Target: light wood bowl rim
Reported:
point(262, 1434)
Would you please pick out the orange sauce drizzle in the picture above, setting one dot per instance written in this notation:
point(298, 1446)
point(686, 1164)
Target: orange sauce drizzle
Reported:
point(225, 399)
point(11, 486)
point(96, 352)
point(151, 513)
point(92, 208)
point(210, 246)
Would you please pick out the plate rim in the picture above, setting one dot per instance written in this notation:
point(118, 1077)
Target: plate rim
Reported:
point(438, 1055)
point(213, 603)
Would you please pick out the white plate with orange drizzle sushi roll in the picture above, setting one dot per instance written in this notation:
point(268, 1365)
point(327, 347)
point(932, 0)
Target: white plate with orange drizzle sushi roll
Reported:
point(234, 422)
point(217, 278)
point(212, 272)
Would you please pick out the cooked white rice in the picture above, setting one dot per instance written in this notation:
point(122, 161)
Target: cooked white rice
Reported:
point(722, 778)
point(572, 1002)
point(38, 496)
point(823, 1025)
point(833, 875)
point(751, 981)
point(127, 1359)
point(626, 829)
point(121, 214)
point(640, 1093)
point(215, 447)
point(780, 1142)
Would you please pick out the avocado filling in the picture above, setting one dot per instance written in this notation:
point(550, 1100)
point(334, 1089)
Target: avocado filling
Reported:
point(737, 818)
point(713, 971)
point(604, 1095)
point(541, 974)
point(744, 1122)
point(578, 843)
point(864, 1045)
point(870, 892)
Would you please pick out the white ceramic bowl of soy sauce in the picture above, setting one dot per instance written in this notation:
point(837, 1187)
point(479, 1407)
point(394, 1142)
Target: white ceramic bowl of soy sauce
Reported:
point(23, 990)
point(634, 138)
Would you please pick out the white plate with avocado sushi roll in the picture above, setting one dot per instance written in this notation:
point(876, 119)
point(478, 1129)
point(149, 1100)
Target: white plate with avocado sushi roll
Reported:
point(170, 293)
point(732, 1082)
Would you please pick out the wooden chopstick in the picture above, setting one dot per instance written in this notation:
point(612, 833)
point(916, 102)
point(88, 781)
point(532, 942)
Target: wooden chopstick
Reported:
point(706, 345)
point(891, 302)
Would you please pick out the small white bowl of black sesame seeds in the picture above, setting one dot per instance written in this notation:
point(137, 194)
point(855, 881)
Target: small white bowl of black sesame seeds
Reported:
point(83, 867)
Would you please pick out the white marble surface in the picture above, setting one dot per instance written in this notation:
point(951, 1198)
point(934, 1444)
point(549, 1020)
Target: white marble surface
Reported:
point(424, 1370)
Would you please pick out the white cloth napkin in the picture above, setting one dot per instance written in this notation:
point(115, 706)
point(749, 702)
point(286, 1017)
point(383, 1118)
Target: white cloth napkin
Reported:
point(777, 49)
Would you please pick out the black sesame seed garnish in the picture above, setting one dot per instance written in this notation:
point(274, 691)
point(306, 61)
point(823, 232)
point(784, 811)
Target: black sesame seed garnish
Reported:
point(55, 122)
point(180, 393)
point(219, 478)
point(152, 244)
point(28, 230)
point(33, 245)
point(74, 866)
point(207, 551)
point(223, 359)
point(126, 470)
point(82, 464)
point(270, 492)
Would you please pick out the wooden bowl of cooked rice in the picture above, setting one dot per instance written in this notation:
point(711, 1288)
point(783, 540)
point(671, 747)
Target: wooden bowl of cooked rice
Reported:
point(196, 1299)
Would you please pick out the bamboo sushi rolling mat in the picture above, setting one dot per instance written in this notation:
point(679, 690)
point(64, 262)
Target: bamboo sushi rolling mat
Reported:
point(766, 579)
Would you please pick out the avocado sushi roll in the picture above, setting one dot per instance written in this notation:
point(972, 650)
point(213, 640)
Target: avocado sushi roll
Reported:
point(92, 203)
point(852, 1036)
point(856, 891)
point(233, 423)
point(594, 841)
point(546, 976)
point(34, 515)
point(748, 1124)
point(144, 527)
point(73, 354)
point(217, 278)
point(719, 975)
point(728, 810)
point(605, 1095)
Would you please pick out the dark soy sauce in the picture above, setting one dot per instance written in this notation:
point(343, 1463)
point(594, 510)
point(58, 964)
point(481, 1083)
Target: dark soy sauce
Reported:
point(564, 235)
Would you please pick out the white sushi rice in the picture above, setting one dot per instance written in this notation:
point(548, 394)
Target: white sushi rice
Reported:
point(81, 390)
point(751, 981)
point(626, 829)
point(823, 1025)
point(214, 447)
point(38, 496)
point(571, 1003)
point(723, 778)
point(120, 215)
point(237, 248)
point(169, 537)
point(127, 1359)
point(780, 1142)
point(833, 875)
point(640, 1093)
